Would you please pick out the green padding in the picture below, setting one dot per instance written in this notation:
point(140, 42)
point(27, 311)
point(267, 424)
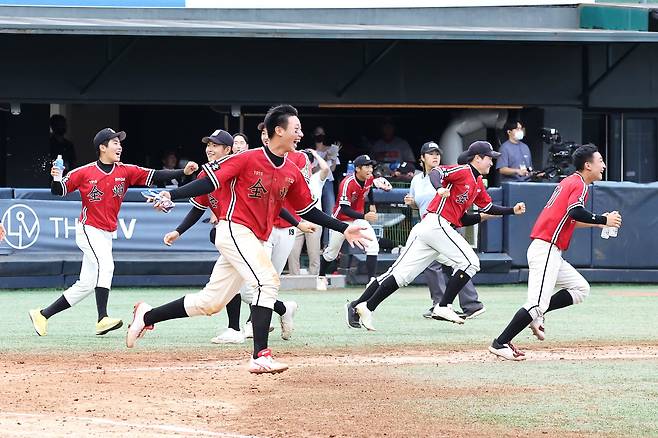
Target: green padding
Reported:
point(614, 18)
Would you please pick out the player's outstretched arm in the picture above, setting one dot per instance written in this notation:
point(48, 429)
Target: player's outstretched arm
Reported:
point(164, 175)
point(499, 210)
point(585, 218)
point(188, 221)
point(353, 233)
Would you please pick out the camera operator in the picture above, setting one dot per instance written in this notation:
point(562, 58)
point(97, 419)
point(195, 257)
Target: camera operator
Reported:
point(515, 162)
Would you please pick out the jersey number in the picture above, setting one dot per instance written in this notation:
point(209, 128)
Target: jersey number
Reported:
point(554, 196)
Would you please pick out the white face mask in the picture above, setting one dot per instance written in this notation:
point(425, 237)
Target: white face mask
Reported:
point(518, 135)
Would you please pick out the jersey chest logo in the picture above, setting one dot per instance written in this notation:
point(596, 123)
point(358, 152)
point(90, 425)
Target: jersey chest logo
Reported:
point(283, 191)
point(213, 201)
point(257, 190)
point(119, 190)
point(95, 194)
point(461, 199)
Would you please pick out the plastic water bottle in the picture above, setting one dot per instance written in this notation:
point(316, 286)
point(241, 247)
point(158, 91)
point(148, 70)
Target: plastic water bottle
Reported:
point(608, 232)
point(350, 168)
point(59, 163)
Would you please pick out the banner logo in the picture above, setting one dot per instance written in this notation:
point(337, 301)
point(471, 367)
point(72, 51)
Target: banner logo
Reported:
point(22, 225)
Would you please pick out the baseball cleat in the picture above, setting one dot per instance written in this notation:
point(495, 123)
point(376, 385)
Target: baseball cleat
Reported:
point(287, 323)
point(428, 314)
point(137, 328)
point(365, 315)
point(107, 324)
point(506, 351)
point(351, 316)
point(321, 283)
point(472, 315)
point(39, 322)
point(265, 363)
point(229, 336)
point(446, 313)
point(537, 327)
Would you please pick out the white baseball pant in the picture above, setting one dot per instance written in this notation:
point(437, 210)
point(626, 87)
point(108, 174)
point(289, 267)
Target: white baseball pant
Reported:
point(313, 249)
point(244, 259)
point(432, 239)
point(336, 240)
point(278, 246)
point(548, 271)
point(97, 263)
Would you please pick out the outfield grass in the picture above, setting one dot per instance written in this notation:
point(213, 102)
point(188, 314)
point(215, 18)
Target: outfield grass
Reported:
point(606, 317)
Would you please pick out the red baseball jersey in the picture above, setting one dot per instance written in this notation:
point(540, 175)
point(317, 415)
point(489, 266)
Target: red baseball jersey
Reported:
point(465, 190)
point(554, 224)
point(102, 193)
point(210, 200)
point(301, 161)
point(253, 189)
point(352, 194)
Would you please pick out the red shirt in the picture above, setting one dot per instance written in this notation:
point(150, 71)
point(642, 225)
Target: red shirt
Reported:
point(352, 194)
point(102, 193)
point(554, 224)
point(465, 190)
point(209, 200)
point(301, 161)
point(253, 189)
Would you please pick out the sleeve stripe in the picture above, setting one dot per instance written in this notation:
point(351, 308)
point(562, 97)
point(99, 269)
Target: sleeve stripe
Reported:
point(149, 177)
point(211, 174)
point(308, 208)
point(197, 205)
point(574, 205)
point(63, 187)
point(487, 207)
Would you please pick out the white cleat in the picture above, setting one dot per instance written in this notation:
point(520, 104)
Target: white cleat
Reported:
point(137, 328)
point(266, 364)
point(537, 327)
point(506, 351)
point(287, 320)
point(365, 316)
point(229, 336)
point(321, 283)
point(446, 313)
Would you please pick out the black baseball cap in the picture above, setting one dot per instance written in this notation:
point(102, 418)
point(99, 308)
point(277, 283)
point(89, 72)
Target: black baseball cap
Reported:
point(219, 137)
point(107, 134)
point(406, 167)
point(364, 160)
point(463, 158)
point(430, 146)
point(481, 148)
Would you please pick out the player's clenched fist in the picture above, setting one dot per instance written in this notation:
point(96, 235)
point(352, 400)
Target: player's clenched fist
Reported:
point(171, 237)
point(190, 168)
point(443, 192)
point(371, 217)
point(613, 219)
point(519, 208)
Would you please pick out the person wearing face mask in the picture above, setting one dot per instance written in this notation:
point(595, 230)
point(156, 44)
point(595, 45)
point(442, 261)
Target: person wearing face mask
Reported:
point(515, 162)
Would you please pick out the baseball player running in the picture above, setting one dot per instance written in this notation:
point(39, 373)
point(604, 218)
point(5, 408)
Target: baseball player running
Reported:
point(255, 183)
point(350, 207)
point(435, 238)
point(102, 185)
point(564, 211)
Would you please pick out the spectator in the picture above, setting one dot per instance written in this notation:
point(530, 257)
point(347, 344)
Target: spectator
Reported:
point(320, 175)
point(404, 172)
point(240, 143)
point(515, 161)
point(330, 155)
point(170, 162)
point(59, 144)
point(390, 148)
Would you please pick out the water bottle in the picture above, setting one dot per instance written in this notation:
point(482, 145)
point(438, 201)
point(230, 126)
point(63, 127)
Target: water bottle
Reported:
point(605, 232)
point(350, 168)
point(59, 163)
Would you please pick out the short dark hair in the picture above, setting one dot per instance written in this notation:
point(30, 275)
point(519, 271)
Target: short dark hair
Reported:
point(584, 154)
point(278, 116)
point(241, 134)
point(55, 119)
point(511, 125)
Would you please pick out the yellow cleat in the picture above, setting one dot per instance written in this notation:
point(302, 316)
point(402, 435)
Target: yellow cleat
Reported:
point(107, 324)
point(39, 322)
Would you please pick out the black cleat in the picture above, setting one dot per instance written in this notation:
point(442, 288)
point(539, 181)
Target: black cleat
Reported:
point(351, 317)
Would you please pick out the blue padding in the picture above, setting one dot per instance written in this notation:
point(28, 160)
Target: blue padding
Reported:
point(32, 282)
point(637, 243)
point(6, 193)
point(395, 196)
point(491, 231)
point(516, 236)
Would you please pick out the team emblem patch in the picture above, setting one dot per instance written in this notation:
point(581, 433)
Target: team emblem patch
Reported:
point(95, 194)
point(461, 199)
point(213, 201)
point(119, 190)
point(283, 191)
point(257, 190)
